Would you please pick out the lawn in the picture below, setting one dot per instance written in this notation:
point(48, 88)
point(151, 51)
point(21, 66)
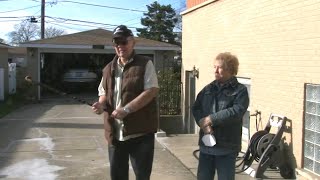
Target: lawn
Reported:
point(11, 103)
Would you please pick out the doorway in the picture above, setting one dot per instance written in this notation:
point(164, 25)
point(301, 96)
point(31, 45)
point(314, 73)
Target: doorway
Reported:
point(189, 124)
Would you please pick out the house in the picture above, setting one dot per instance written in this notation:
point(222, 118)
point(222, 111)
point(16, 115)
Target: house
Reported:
point(48, 59)
point(18, 56)
point(278, 47)
point(3, 70)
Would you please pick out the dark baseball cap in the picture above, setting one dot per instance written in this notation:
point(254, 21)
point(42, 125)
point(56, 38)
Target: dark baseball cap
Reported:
point(121, 32)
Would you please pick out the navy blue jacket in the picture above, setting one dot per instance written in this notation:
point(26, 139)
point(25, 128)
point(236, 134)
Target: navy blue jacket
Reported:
point(226, 106)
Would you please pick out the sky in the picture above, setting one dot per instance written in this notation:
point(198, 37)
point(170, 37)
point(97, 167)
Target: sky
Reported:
point(70, 15)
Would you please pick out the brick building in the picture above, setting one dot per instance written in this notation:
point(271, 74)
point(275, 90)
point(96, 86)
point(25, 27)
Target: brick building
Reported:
point(278, 47)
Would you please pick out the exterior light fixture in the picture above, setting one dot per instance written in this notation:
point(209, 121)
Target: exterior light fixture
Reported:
point(195, 72)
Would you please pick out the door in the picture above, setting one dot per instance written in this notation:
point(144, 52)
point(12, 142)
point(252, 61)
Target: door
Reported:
point(190, 86)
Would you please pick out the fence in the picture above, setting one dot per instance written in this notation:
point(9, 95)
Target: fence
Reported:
point(169, 78)
point(169, 99)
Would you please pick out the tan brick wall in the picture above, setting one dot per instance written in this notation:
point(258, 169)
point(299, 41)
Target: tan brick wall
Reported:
point(278, 46)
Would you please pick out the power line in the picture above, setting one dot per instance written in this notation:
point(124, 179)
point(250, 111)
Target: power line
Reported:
point(75, 20)
point(14, 17)
point(51, 3)
point(111, 7)
point(26, 7)
point(57, 23)
point(130, 20)
point(10, 20)
point(64, 20)
point(82, 21)
point(64, 26)
point(80, 29)
point(74, 24)
point(20, 9)
point(55, 2)
point(104, 26)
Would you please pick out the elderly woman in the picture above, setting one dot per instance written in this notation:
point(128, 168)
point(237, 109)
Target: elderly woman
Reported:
point(218, 110)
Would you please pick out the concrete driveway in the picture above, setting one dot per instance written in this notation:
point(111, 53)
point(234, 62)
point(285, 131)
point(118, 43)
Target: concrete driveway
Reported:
point(59, 138)
point(62, 139)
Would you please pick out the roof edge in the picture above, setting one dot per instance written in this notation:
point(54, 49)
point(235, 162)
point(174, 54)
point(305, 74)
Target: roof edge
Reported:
point(59, 46)
point(2, 45)
point(160, 48)
point(197, 7)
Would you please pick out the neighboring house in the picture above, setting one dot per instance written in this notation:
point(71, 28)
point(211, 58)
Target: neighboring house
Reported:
point(278, 46)
point(48, 59)
point(4, 70)
point(18, 55)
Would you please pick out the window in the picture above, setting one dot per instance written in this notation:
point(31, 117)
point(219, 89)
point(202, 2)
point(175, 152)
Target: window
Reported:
point(312, 129)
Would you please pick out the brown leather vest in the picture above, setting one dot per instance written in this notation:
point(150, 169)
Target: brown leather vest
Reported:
point(145, 120)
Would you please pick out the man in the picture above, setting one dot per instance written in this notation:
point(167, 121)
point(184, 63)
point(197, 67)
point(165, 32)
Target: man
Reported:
point(218, 110)
point(127, 96)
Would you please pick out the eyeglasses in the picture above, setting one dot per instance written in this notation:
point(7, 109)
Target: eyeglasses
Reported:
point(118, 42)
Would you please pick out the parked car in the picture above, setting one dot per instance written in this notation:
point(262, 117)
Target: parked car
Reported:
point(79, 76)
point(75, 77)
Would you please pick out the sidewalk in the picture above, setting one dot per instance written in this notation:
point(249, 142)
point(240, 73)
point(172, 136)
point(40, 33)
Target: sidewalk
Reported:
point(182, 146)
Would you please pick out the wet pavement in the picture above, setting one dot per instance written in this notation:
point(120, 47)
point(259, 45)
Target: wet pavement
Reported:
point(62, 139)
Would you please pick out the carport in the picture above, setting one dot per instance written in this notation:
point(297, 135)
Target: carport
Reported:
point(48, 59)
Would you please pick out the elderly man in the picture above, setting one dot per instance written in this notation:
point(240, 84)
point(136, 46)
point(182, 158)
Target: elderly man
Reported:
point(127, 96)
point(218, 110)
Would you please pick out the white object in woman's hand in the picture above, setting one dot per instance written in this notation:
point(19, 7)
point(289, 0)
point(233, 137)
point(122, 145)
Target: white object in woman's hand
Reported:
point(209, 140)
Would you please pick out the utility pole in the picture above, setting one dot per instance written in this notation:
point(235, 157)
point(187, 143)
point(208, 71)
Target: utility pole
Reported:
point(42, 18)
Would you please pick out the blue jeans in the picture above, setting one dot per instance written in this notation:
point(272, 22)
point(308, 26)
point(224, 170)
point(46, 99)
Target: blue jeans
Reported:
point(140, 150)
point(224, 164)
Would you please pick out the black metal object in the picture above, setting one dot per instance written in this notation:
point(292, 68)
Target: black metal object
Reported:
point(56, 91)
point(264, 147)
point(251, 153)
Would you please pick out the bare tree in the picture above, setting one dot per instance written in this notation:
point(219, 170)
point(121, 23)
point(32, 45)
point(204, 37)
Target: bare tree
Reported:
point(25, 31)
point(178, 25)
point(53, 32)
point(181, 8)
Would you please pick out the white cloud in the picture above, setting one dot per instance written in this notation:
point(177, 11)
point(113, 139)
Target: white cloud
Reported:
point(6, 27)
